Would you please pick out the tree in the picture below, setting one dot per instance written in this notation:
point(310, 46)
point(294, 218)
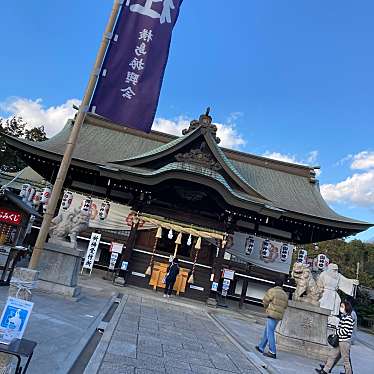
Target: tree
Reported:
point(17, 127)
point(347, 255)
point(36, 134)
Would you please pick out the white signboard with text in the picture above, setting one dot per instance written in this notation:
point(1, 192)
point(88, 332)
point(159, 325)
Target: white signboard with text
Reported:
point(113, 260)
point(14, 319)
point(91, 251)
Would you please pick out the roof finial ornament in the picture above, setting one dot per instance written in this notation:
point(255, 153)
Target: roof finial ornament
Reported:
point(205, 121)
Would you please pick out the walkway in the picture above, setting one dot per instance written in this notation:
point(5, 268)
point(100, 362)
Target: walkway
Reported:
point(156, 335)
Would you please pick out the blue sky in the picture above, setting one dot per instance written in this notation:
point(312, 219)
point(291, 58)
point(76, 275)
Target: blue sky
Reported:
point(289, 79)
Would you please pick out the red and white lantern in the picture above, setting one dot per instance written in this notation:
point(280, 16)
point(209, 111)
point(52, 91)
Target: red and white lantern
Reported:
point(46, 195)
point(86, 205)
point(104, 210)
point(67, 200)
point(31, 194)
point(36, 199)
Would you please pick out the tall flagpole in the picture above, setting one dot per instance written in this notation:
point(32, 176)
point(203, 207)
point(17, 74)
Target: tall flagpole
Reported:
point(65, 163)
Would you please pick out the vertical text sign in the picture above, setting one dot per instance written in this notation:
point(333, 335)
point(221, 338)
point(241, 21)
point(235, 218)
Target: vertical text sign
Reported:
point(130, 80)
point(91, 251)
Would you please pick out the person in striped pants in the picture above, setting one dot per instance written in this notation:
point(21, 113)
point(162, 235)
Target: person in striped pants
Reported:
point(343, 350)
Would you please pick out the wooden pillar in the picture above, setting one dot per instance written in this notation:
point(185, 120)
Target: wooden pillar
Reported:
point(244, 287)
point(244, 293)
point(126, 255)
point(217, 269)
point(217, 263)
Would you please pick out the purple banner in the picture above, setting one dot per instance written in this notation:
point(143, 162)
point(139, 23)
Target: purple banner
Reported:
point(130, 80)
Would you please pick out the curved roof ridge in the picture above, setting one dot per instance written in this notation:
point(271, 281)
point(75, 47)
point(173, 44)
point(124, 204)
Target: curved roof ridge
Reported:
point(159, 149)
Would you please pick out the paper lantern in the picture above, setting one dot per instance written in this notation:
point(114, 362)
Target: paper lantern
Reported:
point(265, 251)
point(36, 199)
point(179, 239)
point(322, 261)
point(302, 255)
point(31, 194)
point(67, 199)
point(46, 195)
point(104, 210)
point(86, 205)
point(159, 233)
point(24, 188)
point(285, 252)
point(27, 192)
point(249, 245)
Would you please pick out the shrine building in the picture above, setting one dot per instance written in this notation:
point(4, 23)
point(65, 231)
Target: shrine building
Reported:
point(190, 187)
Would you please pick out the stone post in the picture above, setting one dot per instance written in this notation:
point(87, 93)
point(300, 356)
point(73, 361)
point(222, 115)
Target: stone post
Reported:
point(21, 284)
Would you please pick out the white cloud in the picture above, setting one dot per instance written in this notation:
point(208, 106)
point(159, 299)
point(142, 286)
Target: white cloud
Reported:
point(54, 118)
point(363, 160)
point(234, 116)
point(34, 112)
point(312, 157)
point(228, 133)
point(282, 157)
point(169, 126)
point(230, 138)
point(357, 190)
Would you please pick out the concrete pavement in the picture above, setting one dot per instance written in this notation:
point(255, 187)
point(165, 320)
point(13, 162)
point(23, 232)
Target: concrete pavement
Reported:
point(150, 334)
point(248, 331)
point(177, 336)
point(59, 326)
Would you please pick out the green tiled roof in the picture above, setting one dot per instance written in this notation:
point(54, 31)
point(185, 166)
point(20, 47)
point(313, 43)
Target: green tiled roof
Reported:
point(285, 186)
point(188, 168)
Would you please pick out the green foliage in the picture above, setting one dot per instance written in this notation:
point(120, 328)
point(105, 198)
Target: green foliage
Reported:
point(347, 255)
point(36, 134)
point(17, 127)
point(364, 307)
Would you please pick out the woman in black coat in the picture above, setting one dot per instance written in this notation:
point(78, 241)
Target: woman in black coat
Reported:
point(171, 276)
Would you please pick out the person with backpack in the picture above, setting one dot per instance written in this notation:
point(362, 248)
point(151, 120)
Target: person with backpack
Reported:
point(275, 302)
point(343, 350)
point(171, 277)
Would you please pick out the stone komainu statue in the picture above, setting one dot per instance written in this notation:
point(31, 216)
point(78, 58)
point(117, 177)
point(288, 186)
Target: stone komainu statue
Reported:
point(70, 224)
point(307, 289)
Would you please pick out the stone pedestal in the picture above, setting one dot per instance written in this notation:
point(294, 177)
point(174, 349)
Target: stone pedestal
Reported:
point(304, 331)
point(59, 268)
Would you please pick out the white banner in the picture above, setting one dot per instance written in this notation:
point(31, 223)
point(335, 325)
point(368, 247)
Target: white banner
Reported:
point(91, 251)
point(268, 254)
point(119, 216)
